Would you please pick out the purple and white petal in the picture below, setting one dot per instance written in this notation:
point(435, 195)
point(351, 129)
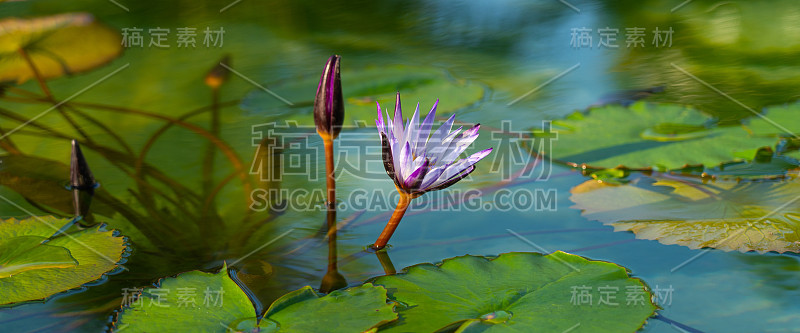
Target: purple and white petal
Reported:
point(425, 130)
point(452, 180)
point(404, 162)
point(379, 122)
point(460, 144)
point(438, 136)
point(416, 178)
point(397, 129)
point(432, 176)
point(412, 131)
point(459, 166)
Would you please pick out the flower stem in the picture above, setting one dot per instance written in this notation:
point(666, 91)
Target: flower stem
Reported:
point(330, 176)
point(394, 221)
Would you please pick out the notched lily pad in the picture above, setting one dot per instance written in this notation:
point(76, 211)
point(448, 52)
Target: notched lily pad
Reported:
point(362, 88)
point(728, 215)
point(57, 45)
point(32, 271)
point(356, 309)
point(213, 302)
point(518, 292)
point(648, 135)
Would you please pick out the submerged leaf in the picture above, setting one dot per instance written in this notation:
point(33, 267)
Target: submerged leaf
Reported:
point(57, 45)
point(745, 216)
point(518, 292)
point(94, 252)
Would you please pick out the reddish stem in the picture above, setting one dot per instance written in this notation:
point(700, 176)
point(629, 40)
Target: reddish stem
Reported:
point(394, 221)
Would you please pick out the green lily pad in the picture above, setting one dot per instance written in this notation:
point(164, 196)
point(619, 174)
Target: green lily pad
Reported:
point(207, 302)
point(63, 263)
point(644, 135)
point(518, 292)
point(25, 253)
point(745, 216)
point(362, 88)
point(57, 45)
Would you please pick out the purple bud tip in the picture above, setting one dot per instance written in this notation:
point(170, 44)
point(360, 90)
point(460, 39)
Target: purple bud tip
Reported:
point(328, 103)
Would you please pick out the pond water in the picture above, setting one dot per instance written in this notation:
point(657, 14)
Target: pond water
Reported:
point(501, 63)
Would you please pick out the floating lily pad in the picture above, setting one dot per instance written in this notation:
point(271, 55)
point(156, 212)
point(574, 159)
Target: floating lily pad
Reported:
point(518, 292)
point(63, 263)
point(206, 302)
point(745, 216)
point(644, 135)
point(362, 88)
point(57, 45)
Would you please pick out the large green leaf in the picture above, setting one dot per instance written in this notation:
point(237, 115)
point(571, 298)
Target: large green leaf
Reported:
point(645, 135)
point(48, 269)
point(518, 292)
point(363, 88)
point(206, 302)
point(746, 216)
point(57, 45)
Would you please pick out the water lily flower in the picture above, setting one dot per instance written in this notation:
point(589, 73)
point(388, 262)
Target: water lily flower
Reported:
point(329, 117)
point(421, 160)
